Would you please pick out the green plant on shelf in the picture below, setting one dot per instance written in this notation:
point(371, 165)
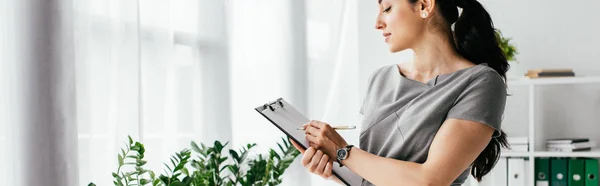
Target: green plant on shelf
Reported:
point(205, 166)
point(509, 49)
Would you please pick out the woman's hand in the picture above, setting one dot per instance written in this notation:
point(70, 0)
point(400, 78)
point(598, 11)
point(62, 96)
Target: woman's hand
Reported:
point(316, 161)
point(321, 136)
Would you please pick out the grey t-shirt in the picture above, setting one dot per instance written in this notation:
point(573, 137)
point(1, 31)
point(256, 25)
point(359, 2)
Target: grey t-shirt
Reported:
point(401, 116)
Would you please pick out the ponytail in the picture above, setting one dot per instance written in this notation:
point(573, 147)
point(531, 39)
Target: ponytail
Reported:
point(475, 36)
point(475, 39)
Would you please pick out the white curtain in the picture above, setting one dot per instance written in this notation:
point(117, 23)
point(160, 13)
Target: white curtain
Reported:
point(168, 72)
point(37, 89)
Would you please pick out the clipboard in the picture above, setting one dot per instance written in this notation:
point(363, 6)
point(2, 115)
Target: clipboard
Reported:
point(287, 119)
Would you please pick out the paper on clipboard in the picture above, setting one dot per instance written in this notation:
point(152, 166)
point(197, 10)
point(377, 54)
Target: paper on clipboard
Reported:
point(285, 117)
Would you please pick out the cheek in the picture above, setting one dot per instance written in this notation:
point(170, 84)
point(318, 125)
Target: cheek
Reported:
point(404, 29)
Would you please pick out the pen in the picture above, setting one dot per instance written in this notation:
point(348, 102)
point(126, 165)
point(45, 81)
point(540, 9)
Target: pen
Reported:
point(336, 128)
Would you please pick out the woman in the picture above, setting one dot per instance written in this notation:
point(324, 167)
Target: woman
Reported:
point(432, 121)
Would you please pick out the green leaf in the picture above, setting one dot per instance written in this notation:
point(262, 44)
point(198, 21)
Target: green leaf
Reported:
point(233, 169)
point(280, 148)
point(144, 181)
point(234, 154)
point(222, 160)
point(274, 154)
point(168, 167)
point(173, 161)
point(91, 184)
point(120, 158)
point(218, 146)
point(130, 140)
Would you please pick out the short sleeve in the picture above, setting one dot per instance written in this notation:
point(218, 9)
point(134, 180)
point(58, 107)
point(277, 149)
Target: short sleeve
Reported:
point(483, 101)
point(369, 85)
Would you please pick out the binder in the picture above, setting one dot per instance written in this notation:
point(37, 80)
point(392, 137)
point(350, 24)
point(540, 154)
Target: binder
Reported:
point(591, 172)
point(516, 172)
point(576, 172)
point(542, 171)
point(558, 172)
point(287, 119)
point(497, 176)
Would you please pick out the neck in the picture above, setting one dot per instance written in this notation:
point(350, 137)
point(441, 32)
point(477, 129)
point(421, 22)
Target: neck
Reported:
point(435, 55)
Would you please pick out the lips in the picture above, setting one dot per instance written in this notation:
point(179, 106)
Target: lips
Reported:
point(387, 36)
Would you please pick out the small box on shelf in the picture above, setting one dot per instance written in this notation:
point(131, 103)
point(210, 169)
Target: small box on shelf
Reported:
point(569, 144)
point(517, 144)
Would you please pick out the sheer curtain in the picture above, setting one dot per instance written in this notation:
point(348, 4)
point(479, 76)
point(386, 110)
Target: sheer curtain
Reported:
point(165, 72)
point(155, 70)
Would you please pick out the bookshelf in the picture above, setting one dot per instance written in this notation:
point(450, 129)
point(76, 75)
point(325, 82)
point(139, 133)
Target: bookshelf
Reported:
point(534, 146)
point(594, 153)
point(552, 81)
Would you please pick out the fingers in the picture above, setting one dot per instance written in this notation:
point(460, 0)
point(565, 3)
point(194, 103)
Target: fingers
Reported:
point(327, 173)
point(312, 131)
point(321, 166)
point(317, 163)
point(318, 124)
point(297, 146)
point(314, 162)
point(308, 155)
point(312, 140)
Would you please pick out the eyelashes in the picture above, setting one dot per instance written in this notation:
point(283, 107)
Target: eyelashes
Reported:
point(387, 9)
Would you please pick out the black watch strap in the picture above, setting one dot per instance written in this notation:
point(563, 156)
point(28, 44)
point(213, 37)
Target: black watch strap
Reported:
point(347, 148)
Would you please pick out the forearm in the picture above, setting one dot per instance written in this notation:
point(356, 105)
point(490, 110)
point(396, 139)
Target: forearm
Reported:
point(386, 171)
point(337, 180)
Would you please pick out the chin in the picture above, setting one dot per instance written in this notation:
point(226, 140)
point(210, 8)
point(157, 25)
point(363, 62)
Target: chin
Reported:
point(394, 49)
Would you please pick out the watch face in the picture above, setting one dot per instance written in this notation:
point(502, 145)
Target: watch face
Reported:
point(341, 154)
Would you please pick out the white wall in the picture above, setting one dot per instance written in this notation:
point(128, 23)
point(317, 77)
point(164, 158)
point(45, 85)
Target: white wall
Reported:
point(551, 33)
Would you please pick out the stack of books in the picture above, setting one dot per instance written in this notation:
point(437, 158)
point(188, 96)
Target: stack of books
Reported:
point(517, 144)
point(542, 73)
point(569, 144)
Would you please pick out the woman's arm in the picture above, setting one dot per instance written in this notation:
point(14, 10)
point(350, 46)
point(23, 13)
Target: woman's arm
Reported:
point(454, 148)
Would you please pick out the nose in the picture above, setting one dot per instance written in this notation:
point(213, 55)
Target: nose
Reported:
point(379, 25)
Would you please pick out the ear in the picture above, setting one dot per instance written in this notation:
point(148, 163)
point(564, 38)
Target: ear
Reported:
point(426, 7)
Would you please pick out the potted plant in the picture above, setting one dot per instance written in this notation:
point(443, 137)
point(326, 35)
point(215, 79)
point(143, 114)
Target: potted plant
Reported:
point(205, 166)
point(507, 47)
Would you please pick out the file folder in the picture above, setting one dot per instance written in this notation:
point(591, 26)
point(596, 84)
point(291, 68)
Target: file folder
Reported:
point(516, 172)
point(542, 171)
point(497, 176)
point(576, 172)
point(591, 172)
point(558, 172)
point(287, 119)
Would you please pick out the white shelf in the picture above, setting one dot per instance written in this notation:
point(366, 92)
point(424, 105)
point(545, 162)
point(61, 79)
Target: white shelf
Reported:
point(594, 153)
point(515, 154)
point(552, 81)
point(533, 125)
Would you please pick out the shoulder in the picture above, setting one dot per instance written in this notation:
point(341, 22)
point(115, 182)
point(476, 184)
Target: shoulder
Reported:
point(484, 75)
point(380, 72)
point(482, 82)
point(478, 75)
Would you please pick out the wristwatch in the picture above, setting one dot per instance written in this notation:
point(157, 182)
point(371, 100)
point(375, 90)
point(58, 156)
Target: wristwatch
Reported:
point(343, 153)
